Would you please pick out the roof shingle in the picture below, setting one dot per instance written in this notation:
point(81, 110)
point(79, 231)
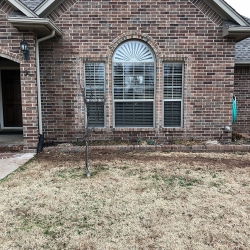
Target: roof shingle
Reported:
point(32, 4)
point(242, 50)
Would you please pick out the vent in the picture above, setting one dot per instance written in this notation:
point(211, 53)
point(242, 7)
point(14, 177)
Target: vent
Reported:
point(133, 51)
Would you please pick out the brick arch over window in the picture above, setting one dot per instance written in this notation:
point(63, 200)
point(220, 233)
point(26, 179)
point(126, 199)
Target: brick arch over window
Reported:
point(11, 56)
point(134, 36)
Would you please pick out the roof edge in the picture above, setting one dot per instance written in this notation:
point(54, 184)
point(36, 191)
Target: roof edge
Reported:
point(242, 63)
point(226, 11)
point(46, 7)
point(239, 32)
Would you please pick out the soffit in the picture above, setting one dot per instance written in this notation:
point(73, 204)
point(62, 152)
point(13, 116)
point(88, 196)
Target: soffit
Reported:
point(41, 26)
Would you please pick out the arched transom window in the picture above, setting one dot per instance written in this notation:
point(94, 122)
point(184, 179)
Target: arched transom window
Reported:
point(133, 85)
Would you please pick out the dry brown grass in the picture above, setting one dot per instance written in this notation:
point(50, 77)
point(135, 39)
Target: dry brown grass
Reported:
point(132, 201)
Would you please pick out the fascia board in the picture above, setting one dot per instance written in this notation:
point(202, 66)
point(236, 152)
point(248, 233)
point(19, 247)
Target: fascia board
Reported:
point(238, 30)
point(239, 33)
point(23, 8)
point(242, 63)
point(231, 12)
point(29, 22)
point(46, 7)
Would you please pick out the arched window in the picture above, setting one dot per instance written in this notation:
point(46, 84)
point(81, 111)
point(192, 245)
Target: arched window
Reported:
point(133, 85)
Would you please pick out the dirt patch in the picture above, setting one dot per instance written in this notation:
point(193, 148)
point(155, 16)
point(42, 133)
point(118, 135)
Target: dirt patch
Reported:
point(211, 159)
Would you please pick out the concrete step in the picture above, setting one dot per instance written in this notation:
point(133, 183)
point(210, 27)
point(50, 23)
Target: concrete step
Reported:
point(11, 148)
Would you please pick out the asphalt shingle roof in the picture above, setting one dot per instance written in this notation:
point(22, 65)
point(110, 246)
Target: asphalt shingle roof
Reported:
point(242, 50)
point(17, 13)
point(32, 4)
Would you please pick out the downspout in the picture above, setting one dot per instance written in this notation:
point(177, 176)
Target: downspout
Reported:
point(40, 123)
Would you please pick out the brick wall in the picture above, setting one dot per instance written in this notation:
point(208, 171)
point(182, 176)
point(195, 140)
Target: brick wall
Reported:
point(10, 41)
point(187, 31)
point(241, 90)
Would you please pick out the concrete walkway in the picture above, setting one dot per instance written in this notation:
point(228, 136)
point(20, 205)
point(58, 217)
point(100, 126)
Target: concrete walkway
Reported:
point(9, 162)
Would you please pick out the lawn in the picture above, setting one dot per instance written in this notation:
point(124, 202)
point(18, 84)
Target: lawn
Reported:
point(131, 201)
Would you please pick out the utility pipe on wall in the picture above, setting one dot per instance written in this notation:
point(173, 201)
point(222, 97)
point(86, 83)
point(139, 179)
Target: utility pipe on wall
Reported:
point(39, 104)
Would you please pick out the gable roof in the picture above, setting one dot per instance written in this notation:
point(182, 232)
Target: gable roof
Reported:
point(24, 18)
point(226, 11)
point(32, 4)
point(18, 5)
point(235, 26)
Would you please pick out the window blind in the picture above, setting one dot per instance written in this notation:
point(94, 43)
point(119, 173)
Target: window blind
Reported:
point(94, 93)
point(172, 94)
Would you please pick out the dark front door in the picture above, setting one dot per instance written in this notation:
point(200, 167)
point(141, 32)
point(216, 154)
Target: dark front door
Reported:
point(11, 96)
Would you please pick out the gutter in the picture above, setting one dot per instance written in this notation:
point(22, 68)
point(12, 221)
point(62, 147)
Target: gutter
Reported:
point(46, 7)
point(237, 32)
point(39, 104)
point(242, 63)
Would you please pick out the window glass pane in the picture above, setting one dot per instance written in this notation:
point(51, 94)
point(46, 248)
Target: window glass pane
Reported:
point(172, 89)
point(139, 69)
point(136, 81)
point(172, 114)
point(96, 114)
point(118, 69)
point(94, 92)
point(94, 80)
point(177, 93)
point(177, 80)
point(173, 76)
point(128, 68)
point(177, 68)
point(133, 85)
point(134, 114)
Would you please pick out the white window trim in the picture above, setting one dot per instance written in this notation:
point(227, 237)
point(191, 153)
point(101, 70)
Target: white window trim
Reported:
point(104, 93)
point(172, 100)
point(153, 60)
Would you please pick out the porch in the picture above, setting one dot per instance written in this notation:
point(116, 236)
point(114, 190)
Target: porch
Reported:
point(11, 142)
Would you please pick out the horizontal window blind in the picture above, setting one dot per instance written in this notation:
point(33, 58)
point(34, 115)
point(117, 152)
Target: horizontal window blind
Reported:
point(173, 94)
point(96, 114)
point(172, 114)
point(134, 114)
point(94, 93)
point(94, 80)
point(133, 85)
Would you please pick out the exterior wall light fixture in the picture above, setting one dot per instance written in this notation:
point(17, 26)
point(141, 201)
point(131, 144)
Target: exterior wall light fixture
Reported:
point(25, 49)
point(227, 129)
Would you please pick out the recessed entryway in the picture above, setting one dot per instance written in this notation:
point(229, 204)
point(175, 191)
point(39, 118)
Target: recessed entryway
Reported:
point(11, 124)
point(10, 96)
